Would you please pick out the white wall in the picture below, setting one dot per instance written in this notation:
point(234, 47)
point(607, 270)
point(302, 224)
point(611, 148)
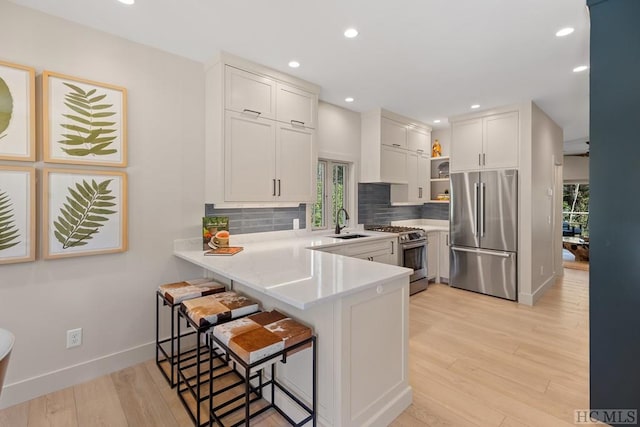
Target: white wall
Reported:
point(109, 296)
point(338, 136)
point(575, 169)
point(546, 237)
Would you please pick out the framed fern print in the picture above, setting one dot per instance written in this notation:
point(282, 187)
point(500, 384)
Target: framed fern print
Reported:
point(17, 112)
point(17, 214)
point(85, 212)
point(84, 122)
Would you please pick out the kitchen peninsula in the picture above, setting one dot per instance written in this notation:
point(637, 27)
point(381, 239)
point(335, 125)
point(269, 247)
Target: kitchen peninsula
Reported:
point(358, 309)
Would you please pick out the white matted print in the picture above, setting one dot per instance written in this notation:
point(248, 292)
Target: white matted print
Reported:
point(84, 122)
point(17, 112)
point(85, 212)
point(17, 214)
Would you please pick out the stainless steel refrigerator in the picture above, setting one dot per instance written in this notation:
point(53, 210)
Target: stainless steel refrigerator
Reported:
point(484, 232)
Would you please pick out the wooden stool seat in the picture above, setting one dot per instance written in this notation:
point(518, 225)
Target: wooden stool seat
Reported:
point(175, 293)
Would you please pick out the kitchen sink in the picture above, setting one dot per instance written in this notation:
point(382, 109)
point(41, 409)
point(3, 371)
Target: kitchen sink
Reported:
point(348, 236)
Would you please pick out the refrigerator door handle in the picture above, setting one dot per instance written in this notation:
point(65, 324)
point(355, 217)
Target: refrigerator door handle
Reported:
point(481, 252)
point(475, 206)
point(482, 188)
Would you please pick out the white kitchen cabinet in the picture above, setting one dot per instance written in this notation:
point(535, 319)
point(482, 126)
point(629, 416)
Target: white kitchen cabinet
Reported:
point(294, 160)
point(260, 138)
point(387, 139)
point(489, 142)
point(393, 133)
point(433, 247)
point(393, 165)
point(250, 158)
point(296, 106)
point(249, 93)
point(466, 145)
point(384, 251)
point(418, 139)
point(443, 257)
point(416, 191)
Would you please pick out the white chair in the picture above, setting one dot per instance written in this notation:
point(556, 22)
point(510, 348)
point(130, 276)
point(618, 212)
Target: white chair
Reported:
point(6, 344)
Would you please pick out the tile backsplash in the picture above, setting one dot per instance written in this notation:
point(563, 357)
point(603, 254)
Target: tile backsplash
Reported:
point(257, 220)
point(374, 207)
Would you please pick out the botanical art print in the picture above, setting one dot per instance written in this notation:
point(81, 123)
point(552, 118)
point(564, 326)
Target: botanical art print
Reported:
point(17, 112)
point(85, 212)
point(17, 214)
point(85, 122)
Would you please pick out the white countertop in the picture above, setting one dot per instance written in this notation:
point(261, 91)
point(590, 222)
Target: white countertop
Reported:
point(284, 265)
point(426, 224)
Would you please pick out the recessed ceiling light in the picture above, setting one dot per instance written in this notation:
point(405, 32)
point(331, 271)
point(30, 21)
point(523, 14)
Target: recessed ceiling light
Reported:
point(349, 99)
point(564, 32)
point(351, 33)
point(436, 121)
point(294, 64)
point(580, 68)
point(474, 106)
point(127, 2)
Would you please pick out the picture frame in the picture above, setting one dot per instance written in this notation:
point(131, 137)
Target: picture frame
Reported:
point(17, 112)
point(84, 122)
point(84, 212)
point(17, 214)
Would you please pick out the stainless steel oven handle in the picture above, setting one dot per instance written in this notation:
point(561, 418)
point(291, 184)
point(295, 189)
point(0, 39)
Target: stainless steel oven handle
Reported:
point(481, 252)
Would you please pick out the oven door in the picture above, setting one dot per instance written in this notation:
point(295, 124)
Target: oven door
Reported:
point(414, 256)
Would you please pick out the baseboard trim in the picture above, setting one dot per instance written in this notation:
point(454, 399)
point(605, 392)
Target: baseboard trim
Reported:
point(392, 409)
point(30, 388)
point(531, 299)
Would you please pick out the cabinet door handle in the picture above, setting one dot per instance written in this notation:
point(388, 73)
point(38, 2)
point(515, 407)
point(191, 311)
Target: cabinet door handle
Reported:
point(479, 159)
point(396, 145)
point(257, 113)
point(274, 187)
point(420, 151)
point(484, 159)
point(297, 122)
point(392, 251)
point(447, 238)
point(279, 188)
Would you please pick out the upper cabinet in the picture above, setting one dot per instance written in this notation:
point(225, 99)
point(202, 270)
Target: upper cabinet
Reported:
point(296, 106)
point(485, 142)
point(249, 93)
point(260, 136)
point(390, 144)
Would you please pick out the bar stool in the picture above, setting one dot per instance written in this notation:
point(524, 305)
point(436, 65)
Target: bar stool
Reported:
point(201, 314)
point(256, 342)
point(171, 295)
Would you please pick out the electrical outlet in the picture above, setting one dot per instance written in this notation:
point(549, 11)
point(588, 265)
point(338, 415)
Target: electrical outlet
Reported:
point(74, 337)
point(542, 270)
point(296, 223)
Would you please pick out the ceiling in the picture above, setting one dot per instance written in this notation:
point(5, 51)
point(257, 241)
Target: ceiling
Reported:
point(426, 59)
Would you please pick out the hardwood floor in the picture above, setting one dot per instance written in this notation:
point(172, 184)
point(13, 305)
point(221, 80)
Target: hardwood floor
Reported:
point(474, 361)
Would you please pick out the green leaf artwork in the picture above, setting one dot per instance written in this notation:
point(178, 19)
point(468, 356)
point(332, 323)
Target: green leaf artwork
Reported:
point(84, 213)
point(6, 107)
point(8, 230)
point(87, 132)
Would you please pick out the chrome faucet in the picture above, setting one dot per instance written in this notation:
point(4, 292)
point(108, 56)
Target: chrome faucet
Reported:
point(346, 217)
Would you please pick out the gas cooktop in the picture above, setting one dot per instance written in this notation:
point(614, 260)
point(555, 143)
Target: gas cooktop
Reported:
point(392, 228)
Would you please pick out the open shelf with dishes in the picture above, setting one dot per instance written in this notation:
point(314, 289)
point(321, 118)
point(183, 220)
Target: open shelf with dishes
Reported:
point(439, 179)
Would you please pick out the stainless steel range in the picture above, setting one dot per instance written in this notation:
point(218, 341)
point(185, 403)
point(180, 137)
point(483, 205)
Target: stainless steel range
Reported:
point(413, 245)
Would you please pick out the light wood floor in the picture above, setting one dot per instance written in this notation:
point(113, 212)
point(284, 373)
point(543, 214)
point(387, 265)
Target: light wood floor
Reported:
point(474, 360)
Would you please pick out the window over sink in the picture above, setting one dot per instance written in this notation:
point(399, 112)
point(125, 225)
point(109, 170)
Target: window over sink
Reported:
point(332, 193)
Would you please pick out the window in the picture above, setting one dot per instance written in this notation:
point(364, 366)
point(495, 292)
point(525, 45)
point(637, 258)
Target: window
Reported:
point(331, 193)
point(575, 209)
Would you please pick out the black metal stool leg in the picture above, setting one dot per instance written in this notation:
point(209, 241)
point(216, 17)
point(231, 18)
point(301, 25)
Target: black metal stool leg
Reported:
point(314, 382)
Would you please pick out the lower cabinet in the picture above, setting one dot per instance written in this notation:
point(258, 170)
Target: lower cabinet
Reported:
point(444, 257)
point(433, 247)
point(384, 251)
